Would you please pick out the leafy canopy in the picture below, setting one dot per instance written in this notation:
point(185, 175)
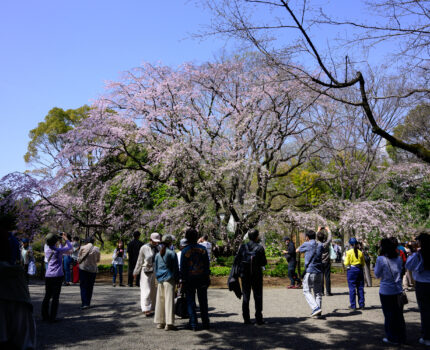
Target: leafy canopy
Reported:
point(45, 138)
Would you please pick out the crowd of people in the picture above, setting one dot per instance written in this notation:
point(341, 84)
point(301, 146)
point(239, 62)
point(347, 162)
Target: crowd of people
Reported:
point(163, 274)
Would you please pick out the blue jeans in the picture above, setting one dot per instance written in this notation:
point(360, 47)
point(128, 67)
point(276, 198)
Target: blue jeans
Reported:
point(355, 277)
point(117, 269)
point(394, 322)
point(67, 261)
point(294, 279)
point(202, 295)
point(422, 291)
point(87, 286)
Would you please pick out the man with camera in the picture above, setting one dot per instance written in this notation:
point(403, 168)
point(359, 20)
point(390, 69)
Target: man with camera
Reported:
point(290, 256)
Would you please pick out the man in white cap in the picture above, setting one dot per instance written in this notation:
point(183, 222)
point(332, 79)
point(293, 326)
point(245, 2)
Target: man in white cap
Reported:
point(182, 244)
point(145, 267)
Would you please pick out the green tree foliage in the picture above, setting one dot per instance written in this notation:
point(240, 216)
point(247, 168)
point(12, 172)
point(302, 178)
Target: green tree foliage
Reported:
point(307, 182)
point(415, 129)
point(45, 138)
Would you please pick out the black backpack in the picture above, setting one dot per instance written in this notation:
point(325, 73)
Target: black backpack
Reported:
point(247, 265)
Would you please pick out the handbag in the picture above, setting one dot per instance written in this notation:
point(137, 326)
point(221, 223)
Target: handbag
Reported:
point(333, 254)
point(402, 298)
point(181, 308)
point(31, 268)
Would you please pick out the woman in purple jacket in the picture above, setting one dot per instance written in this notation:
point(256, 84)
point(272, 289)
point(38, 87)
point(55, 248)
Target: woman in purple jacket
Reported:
point(54, 274)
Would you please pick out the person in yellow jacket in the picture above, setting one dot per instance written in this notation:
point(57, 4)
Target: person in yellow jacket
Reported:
point(354, 262)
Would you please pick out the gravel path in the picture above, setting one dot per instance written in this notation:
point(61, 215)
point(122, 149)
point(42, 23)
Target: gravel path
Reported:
point(115, 322)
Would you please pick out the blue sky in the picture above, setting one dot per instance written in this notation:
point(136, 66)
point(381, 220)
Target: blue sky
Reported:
point(59, 54)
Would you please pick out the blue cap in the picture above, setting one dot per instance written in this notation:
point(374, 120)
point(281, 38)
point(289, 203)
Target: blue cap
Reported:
point(25, 240)
point(353, 241)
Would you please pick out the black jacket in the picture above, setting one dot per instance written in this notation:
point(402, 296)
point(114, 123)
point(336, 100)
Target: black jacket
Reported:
point(291, 252)
point(259, 260)
point(133, 251)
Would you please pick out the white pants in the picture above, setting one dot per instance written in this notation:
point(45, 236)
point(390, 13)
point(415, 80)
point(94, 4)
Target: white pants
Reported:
point(312, 289)
point(147, 291)
point(164, 307)
point(408, 280)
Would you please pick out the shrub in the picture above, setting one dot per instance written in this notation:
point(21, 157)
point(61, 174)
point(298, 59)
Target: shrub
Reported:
point(225, 261)
point(220, 270)
point(104, 267)
point(280, 269)
point(273, 250)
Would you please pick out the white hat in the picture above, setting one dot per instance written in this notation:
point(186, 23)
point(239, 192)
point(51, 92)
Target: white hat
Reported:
point(155, 237)
point(183, 242)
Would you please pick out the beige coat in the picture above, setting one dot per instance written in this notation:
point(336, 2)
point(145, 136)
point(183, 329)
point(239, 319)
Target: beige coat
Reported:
point(144, 260)
point(90, 262)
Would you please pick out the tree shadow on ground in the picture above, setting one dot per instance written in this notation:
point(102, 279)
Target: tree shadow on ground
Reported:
point(294, 333)
point(76, 325)
point(342, 293)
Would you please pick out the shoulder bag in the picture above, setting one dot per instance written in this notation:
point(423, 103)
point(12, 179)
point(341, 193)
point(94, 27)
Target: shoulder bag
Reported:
point(86, 255)
point(31, 268)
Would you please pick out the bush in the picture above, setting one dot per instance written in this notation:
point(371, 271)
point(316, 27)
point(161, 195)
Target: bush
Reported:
point(273, 250)
point(220, 270)
point(104, 267)
point(280, 269)
point(37, 246)
point(225, 261)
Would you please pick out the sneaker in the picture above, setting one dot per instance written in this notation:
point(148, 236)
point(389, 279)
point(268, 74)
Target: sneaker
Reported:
point(316, 312)
point(149, 314)
point(352, 308)
point(424, 341)
point(160, 325)
point(170, 327)
point(291, 286)
point(122, 285)
point(84, 307)
point(260, 322)
point(385, 340)
point(114, 285)
point(247, 322)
